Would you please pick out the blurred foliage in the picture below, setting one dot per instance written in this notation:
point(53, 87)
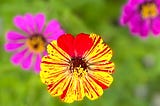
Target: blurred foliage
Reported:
point(137, 60)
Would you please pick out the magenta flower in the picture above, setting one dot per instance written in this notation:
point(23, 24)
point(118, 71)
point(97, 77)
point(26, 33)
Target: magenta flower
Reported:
point(142, 16)
point(29, 43)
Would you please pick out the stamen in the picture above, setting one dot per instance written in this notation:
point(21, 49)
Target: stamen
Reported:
point(78, 67)
point(149, 10)
point(36, 43)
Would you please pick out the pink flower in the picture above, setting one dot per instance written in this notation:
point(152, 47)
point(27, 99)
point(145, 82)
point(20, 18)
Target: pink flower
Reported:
point(142, 17)
point(29, 43)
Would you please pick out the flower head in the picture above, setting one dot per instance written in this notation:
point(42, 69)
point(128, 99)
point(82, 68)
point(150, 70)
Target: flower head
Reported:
point(29, 42)
point(76, 67)
point(142, 16)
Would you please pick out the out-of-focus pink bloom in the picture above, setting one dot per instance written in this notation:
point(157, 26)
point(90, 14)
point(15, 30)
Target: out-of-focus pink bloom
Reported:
point(29, 42)
point(142, 17)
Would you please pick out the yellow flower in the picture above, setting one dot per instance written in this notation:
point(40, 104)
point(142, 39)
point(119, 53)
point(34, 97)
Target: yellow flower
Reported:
point(77, 67)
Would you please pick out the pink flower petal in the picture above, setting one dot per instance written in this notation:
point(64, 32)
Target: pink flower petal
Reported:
point(27, 62)
point(13, 35)
point(157, 2)
point(128, 9)
point(55, 35)
point(144, 29)
point(21, 24)
point(53, 26)
point(128, 12)
point(13, 46)
point(136, 2)
point(29, 19)
point(39, 21)
point(17, 57)
point(44, 53)
point(156, 26)
point(37, 63)
point(138, 25)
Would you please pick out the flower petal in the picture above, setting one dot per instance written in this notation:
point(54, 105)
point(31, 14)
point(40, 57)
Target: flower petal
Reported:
point(55, 35)
point(82, 43)
point(136, 2)
point(56, 52)
point(92, 89)
point(37, 63)
point(66, 43)
point(52, 69)
point(40, 21)
point(52, 27)
point(57, 88)
point(74, 91)
point(103, 79)
point(157, 2)
point(13, 35)
point(55, 74)
point(29, 19)
point(128, 12)
point(13, 46)
point(21, 24)
point(155, 26)
point(17, 57)
point(99, 50)
point(75, 46)
point(138, 25)
point(27, 62)
point(103, 66)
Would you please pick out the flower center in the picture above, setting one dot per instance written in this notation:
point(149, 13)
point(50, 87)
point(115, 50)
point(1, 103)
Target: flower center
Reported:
point(78, 67)
point(149, 10)
point(36, 43)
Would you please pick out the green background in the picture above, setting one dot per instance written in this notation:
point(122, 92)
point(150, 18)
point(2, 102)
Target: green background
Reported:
point(137, 72)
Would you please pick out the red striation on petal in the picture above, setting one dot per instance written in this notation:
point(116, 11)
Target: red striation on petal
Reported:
point(82, 43)
point(50, 86)
point(99, 83)
point(91, 86)
point(64, 92)
point(75, 46)
point(55, 63)
point(65, 42)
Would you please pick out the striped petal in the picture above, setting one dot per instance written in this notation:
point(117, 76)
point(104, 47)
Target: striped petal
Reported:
point(92, 89)
point(74, 91)
point(103, 66)
point(55, 74)
point(57, 88)
point(99, 50)
point(52, 70)
point(56, 52)
point(103, 79)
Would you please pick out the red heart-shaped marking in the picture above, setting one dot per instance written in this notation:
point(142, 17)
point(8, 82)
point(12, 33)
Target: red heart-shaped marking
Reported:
point(75, 46)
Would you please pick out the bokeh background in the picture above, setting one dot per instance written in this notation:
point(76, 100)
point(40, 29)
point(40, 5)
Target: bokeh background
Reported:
point(137, 74)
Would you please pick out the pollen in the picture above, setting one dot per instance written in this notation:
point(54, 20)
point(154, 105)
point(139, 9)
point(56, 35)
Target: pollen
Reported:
point(79, 72)
point(78, 67)
point(36, 43)
point(149, 10)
